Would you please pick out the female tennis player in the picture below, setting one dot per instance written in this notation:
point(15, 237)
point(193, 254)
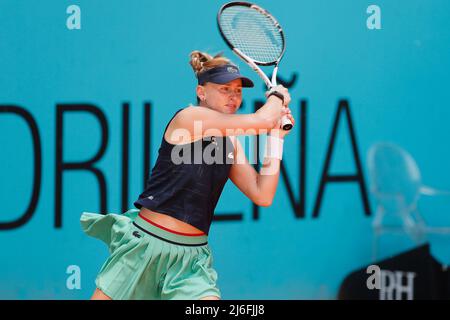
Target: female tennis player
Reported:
point(160, 250)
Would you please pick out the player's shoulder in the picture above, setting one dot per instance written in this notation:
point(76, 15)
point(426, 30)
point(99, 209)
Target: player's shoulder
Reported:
point(183, 113)
point(192, 112)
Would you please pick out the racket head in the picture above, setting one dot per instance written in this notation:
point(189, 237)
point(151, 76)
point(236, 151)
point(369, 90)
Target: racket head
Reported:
point(252, 30)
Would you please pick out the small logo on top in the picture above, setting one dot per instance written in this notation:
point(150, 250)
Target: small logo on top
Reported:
point(137, 234)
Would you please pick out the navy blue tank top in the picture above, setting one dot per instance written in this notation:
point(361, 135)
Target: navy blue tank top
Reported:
point(187, 180)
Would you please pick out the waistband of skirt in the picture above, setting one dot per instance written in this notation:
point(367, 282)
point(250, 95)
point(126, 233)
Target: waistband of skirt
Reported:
point(168, 235)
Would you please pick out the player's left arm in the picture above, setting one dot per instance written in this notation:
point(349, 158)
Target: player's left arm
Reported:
point(259, 187)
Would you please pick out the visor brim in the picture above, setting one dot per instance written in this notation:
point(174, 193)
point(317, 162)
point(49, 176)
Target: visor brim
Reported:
point(225, 78)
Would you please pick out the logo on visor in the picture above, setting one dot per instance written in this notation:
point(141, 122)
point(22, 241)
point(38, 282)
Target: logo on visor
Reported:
point(232, 70)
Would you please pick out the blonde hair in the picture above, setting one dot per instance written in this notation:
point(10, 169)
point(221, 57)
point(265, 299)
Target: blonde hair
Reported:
point(201, 61)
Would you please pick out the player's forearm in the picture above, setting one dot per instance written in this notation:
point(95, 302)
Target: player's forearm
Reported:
point(267, 180)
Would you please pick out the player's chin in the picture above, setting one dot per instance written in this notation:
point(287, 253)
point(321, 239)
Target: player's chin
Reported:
point(229, 109)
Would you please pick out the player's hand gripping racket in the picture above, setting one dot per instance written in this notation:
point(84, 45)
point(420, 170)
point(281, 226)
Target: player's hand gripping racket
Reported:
point(256, 37)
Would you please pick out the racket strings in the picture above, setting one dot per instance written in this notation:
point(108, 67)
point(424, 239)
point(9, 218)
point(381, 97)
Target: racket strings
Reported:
point(253, 35)
point(252, 32)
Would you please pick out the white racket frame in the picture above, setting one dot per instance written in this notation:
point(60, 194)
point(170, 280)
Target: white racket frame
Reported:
point(286, 124)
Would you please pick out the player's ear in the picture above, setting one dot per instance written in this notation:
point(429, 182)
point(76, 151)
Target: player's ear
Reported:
point(201, 93)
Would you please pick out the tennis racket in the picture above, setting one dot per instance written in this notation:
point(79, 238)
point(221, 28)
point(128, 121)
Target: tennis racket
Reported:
point(256, 37)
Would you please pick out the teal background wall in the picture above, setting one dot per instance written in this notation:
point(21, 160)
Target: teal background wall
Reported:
point(395, 79)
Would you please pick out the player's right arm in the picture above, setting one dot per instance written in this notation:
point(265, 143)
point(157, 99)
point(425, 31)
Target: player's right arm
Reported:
point(194, 119)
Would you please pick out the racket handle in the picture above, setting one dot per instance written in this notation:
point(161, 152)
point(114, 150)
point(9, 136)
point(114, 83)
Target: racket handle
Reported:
point(286, 124)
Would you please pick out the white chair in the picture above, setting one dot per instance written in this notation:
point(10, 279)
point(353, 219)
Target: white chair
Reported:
point(396, 185)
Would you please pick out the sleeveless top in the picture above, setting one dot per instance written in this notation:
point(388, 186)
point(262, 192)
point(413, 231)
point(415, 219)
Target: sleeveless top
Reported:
point(187, 180)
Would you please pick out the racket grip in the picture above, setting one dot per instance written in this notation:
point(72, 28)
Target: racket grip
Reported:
point(286, 124)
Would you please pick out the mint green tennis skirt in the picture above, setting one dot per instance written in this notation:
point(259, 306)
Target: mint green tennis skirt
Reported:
point(149, 262)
